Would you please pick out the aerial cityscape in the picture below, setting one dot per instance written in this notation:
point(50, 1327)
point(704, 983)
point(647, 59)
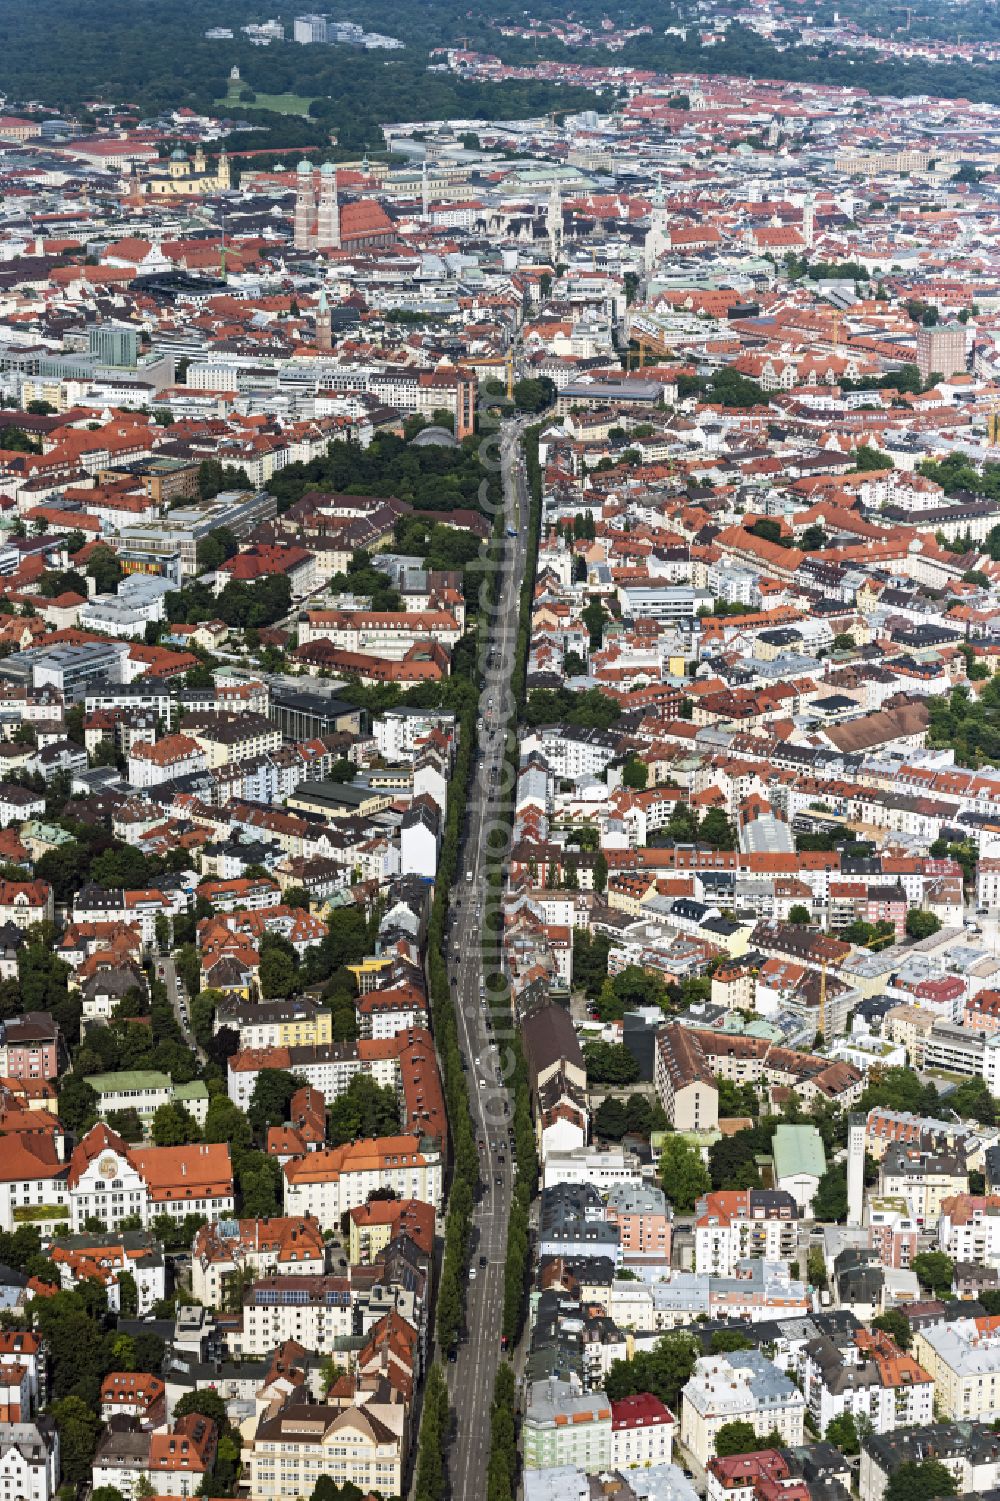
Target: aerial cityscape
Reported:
point(499, 752)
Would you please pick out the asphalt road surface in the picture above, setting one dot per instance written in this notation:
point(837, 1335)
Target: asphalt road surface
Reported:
point(471, 1377)
point(166, 971)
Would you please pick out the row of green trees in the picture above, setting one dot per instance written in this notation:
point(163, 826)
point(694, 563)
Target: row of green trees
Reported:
point(502, 1474)
point(431, 1482)
point(465, 1156)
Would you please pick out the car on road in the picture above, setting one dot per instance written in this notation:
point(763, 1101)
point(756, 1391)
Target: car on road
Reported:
point(482, 1084)
point(472, 1274)
point(484, 1261)
point(498, 1180)
point(452, 1355)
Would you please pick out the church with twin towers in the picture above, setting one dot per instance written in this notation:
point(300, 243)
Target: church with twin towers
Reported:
point(321, 223)
point(317, 216)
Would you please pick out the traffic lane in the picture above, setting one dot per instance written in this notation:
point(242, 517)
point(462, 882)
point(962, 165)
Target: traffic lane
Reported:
point(167, 972)
point(479, 1357)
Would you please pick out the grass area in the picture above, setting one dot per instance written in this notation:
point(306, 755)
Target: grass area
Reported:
point(280, 104)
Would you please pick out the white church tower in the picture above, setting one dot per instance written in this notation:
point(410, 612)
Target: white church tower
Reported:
point(657, 239)
point(554, 223)
point(809, 220)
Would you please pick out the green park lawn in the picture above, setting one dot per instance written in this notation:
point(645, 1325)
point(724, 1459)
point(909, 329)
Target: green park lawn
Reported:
point(280, 104)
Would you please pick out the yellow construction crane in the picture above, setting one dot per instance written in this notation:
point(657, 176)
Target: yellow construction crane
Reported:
point(510, 374)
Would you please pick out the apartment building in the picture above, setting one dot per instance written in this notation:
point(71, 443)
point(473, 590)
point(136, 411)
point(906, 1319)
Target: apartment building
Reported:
point(329, 1183)
point(689, 1061)
point(112, 1181)
point(387, 634)
point(33, 1179)
point(231, 739)
point(743, 1386)
point(869, 1377)
point(374, 1225)
point(24, 1361)
point(297, 1022)
point(29, 1460)
point(892, 1232)
point(134, 1394)
point(226, 1251)
point(104, 1256)
point(181, 1459)
point(642, 1433)
point(922, 1179)
point(963, 1359)
point(970, 1453)
point(565, 1426)
point(684, 1086)
point(30, 1046)
point(25, 903)
point(300, 1442)
point(969, 1228)
point(733, 1224)
point(149, 764)
point(315, 1312)
point(643, 1217)
point(254, 893)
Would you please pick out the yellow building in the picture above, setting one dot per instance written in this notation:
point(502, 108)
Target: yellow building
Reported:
point(235, 738)
point(303, 1032)
point(909, 1027)
point(333, 800)
point(963, 1357)
point(180, 177)
point(368, 973)
point(293, 1449)
point(626, 893)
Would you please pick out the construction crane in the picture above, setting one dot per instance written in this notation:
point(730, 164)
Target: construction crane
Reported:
point(822, 999)
point(509, 364)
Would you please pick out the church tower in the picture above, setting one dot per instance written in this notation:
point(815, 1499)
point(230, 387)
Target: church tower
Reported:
point(324, 331)
point(809, 220)
point(656, 235)
point(328, 212)
point(554, 223)
point(305, 204)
